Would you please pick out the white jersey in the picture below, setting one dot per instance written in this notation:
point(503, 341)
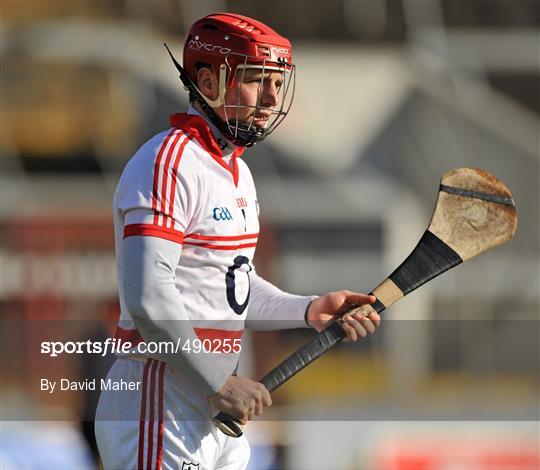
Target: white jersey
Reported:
point(180, 188)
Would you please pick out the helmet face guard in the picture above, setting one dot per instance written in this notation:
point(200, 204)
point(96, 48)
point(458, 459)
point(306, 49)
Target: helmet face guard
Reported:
point(234, 46)
point(245, 129)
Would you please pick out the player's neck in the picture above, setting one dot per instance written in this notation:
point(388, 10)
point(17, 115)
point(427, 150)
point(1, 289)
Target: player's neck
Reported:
point(226, 146)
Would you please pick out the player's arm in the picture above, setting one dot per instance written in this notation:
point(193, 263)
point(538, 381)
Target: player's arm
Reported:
point(270, 308)
point(156, 306)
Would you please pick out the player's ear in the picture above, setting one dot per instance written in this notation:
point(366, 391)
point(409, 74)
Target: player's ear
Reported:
point(207, 82)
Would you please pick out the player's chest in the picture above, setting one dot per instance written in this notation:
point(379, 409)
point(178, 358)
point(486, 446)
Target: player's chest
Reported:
point(227, 209)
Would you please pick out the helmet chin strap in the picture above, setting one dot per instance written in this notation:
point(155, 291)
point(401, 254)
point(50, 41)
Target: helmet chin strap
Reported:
point(244, 138)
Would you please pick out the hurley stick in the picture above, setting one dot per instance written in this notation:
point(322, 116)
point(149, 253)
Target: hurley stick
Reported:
point(474, 213)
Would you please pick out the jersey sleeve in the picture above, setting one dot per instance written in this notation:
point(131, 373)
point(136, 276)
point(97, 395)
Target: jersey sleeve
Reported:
point(270, 308)
point(156, 197)
point(155, 304)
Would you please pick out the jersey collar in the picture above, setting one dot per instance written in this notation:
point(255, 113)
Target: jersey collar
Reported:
point(197, 128)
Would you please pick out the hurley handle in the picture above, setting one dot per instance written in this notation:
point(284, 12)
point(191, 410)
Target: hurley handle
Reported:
point(315, 348)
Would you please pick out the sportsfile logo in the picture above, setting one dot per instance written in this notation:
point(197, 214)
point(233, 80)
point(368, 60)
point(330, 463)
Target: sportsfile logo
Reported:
point(206, 46)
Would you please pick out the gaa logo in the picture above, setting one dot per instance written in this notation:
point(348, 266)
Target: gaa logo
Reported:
point(221, 213)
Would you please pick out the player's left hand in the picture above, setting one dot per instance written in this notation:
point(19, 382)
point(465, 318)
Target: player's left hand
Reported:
point(333, 305)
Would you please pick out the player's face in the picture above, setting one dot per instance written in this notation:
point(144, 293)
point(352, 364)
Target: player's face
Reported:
point(253, 97)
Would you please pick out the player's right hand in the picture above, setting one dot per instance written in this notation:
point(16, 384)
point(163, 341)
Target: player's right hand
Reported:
point(241, 398)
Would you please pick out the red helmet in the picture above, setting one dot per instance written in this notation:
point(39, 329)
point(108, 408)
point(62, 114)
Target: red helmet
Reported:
point(231, 43)
point(216, 37)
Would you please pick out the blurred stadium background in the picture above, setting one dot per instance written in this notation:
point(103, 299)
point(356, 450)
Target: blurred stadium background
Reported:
point(390, 94)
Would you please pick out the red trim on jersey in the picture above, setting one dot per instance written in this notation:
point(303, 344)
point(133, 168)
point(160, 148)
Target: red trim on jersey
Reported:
point(198, 129)
point(217, 338)
point(237, 153)
point(234, 170)
point(223, 238)
point(132, 336)
point(174, 174)
point(151, 417)
point(165, 176)
point(222, 247)
point(157, 166)
point(212, 333)
point(202, 333)
point(149, 230)
point(166, 221)
point(234, 164)
point(159, 451)
point(140, 464)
